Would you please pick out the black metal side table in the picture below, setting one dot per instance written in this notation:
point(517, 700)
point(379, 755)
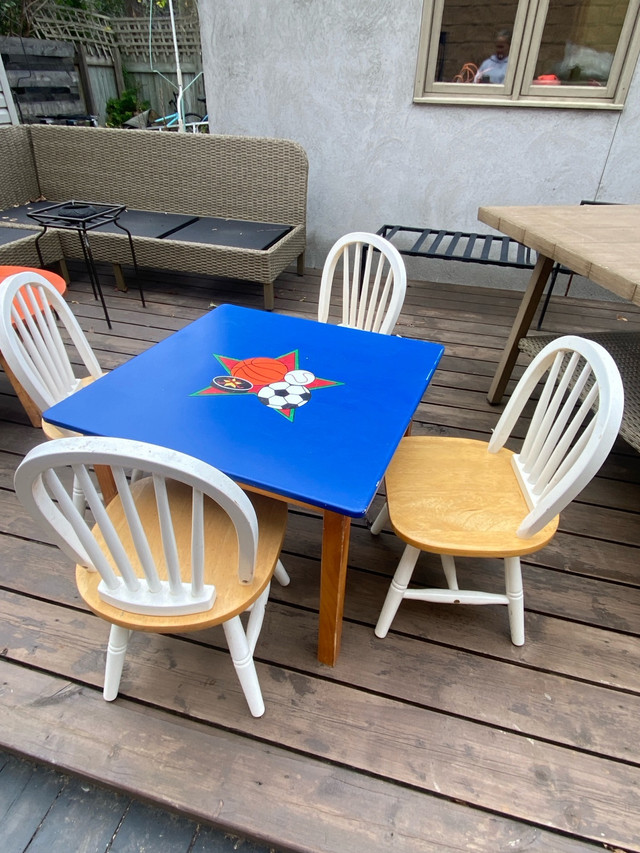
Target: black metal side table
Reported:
point(82, 217)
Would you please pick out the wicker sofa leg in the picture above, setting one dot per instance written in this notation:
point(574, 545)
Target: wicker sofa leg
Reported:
point(300, 269)
point(63, 270)
point(121, 284)
point(269, 300)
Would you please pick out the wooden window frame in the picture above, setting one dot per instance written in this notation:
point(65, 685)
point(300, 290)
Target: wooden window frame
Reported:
point(518, 89)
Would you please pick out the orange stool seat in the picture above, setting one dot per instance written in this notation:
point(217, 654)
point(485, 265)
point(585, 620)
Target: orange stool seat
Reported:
point(56, 280)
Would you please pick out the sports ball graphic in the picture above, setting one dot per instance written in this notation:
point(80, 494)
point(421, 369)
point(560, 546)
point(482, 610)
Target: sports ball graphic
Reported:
point(260, 371)
point(299, 377)
point(232, 383)
point(282, 395)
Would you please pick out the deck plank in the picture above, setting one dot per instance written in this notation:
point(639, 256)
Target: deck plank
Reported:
point(307, 804)
point(441, 737)
point(27, 792)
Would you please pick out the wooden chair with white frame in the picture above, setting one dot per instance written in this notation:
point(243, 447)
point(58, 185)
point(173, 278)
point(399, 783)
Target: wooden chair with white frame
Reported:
point(468, 498)
point(32, 317)
point(373, 282)
point(181, 549)
point(32, 314)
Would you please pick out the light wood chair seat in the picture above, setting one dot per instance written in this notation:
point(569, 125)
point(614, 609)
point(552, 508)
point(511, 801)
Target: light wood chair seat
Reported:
point(461, 497)
point(431, 510)
point(179, 549)
point(221, 550)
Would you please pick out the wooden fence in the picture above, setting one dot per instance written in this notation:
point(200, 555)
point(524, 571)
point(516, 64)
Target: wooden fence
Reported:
point(113, 54)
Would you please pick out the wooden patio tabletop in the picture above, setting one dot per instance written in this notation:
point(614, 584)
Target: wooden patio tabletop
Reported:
point(598, 241)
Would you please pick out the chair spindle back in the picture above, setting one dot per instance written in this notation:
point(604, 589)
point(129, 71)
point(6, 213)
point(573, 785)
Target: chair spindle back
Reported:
point(140, 565)
point(373, 282)
point(574, 424)
point(31, 340)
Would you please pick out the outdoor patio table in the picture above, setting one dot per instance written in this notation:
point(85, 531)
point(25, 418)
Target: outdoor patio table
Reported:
point(305, 411)
point(601, 242)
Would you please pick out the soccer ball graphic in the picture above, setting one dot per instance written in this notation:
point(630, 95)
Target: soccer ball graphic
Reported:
point(283, 395)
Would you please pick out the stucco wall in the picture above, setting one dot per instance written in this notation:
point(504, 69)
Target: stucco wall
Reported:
point(338, 78)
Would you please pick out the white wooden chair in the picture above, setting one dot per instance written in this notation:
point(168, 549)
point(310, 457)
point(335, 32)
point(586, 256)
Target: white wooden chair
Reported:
point(463, 497)
point(32, 317)
point(32, 344)
point(374, 282)
point(180, 550)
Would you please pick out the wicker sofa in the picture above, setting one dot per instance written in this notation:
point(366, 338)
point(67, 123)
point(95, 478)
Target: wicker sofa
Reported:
point(252, 179)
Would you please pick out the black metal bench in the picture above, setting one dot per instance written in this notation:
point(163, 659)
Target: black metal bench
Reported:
point(436, 243)
point(442, 245)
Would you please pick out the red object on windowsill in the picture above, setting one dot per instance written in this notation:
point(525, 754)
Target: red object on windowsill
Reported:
point(547, 80)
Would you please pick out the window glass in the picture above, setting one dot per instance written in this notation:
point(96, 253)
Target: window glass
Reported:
point(560, 53)
point(468, 37)
point(579, 41)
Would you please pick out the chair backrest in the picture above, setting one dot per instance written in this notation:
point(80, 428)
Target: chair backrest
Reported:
point(144, 567)
point(31, 340)
point(374, 282)
point(574, 424)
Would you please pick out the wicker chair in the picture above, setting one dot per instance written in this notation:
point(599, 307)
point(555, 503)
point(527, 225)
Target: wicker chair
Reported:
point(624, 347)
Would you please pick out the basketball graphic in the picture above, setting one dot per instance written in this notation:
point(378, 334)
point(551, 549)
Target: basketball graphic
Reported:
point(260, 371)
point(279, 383)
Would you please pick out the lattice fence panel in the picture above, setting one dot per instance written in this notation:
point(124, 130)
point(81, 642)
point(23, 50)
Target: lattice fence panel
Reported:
point(99, 34)
point(73, 25)
point(132, 37)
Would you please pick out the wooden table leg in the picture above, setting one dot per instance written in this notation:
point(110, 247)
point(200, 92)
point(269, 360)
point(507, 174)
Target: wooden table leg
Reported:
point(335, 550)
point(530, 300)
point(104, 476)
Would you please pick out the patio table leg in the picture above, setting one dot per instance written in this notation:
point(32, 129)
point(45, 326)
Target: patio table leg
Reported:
point(335, 550)
point(104, 476)
point(530, 300)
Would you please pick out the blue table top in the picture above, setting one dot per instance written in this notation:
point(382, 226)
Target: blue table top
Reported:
point(307, 410)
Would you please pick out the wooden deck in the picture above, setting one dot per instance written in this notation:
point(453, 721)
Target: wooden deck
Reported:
point(443, 736)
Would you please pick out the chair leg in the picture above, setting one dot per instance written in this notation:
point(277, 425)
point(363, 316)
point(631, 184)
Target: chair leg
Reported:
point(552, 284)
point(33, 412)
point(245, 667)
point(280, 574)
point(116, 650)
point(513, 583)
point(449, 568)
point(397, 589)
point(380, 520)
point(78, 497)
point(256, 618)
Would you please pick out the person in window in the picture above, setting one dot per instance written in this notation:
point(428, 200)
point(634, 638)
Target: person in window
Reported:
point(494, 68)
